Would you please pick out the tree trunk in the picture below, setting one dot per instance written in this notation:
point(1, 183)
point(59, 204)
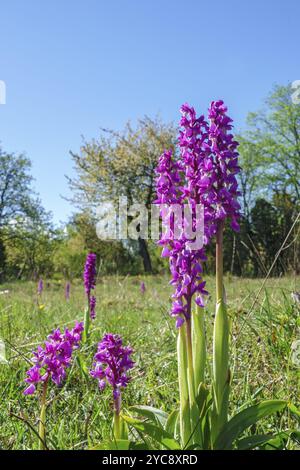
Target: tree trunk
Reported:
point(144, 252)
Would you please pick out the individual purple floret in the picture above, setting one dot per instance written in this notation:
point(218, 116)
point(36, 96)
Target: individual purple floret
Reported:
point(111, 364)
point(89, 278)
point(52, 360)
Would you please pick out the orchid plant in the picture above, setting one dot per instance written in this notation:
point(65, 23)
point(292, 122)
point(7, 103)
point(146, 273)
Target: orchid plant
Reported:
point(204, 174)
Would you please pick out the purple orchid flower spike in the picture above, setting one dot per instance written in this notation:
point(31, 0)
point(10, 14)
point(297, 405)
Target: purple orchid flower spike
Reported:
point(89, 278)
point(111, 365)
point(143, 287)
point(52, 360)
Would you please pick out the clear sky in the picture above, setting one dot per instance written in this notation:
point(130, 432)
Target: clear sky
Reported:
point(72, 66)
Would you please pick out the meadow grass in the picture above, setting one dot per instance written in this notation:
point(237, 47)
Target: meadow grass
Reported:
point(79, 416)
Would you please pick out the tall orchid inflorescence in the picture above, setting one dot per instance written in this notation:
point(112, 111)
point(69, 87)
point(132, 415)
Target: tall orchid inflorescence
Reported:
point(89, 277)
point(111, 365)
point(185, 263)
point(203, 174)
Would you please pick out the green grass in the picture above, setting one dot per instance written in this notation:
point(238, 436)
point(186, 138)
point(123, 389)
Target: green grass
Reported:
point(79, 415)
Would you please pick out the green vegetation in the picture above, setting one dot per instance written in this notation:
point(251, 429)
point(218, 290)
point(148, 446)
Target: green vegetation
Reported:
point(80, 416)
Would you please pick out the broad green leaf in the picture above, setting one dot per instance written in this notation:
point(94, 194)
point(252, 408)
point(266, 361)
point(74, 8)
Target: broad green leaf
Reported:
point(155, 432)
point(251, 442)
point(201, 397)
point(277, 443)
point(154, 414)
point(244, 419)
point(172, 422)
point(221, 375)
point(204, 401)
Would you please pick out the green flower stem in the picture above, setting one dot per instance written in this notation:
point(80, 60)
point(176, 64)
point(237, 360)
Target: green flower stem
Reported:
point(199, 346)
point(189, 347)
point(42, 421)
point(117, 420)
point(220, 345)
point(184, 412)
point(86, 325)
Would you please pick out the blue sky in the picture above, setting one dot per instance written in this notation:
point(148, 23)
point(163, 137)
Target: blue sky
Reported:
point(73, 66)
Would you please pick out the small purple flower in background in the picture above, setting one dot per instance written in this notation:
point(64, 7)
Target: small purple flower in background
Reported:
point(89, 278)
point(111, 364)
point(67, 290)
point(40, 287)
point(143, 287)
point(52, 360)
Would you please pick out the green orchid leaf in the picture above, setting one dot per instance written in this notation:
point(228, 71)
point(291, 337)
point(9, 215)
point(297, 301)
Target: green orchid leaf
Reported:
point(244, 419)
point(294, 410)
point(156, 433)
point(171, 423)
point(154, 414)
point(252, 442)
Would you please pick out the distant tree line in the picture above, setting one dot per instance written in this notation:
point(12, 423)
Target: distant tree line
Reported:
point(123, 164)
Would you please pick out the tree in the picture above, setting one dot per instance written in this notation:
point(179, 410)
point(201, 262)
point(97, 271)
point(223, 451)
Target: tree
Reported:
point(27, 237)
point(121, 164)
point(274, 135)
point(270, 181)
point(15, 187)
point(30, 242)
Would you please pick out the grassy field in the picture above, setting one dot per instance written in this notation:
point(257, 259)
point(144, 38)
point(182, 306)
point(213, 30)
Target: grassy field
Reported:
point(79, 415)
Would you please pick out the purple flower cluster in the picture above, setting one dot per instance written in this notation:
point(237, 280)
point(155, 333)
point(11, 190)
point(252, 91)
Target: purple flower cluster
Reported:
point(52, 360)
point(89, 277)
point(203, 174)
point(111, 363)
